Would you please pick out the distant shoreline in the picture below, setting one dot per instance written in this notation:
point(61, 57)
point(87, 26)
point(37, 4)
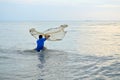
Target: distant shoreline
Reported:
point(62, 21)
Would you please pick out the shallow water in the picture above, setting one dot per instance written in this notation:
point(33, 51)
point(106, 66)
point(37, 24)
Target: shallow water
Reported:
point(89, 51)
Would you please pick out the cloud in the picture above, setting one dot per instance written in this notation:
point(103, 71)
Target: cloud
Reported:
point(22, 1)
point(109, 6)
point(51, 2)
point(59, 9)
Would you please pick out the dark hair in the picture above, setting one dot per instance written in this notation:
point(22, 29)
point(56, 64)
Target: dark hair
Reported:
point(40, 36)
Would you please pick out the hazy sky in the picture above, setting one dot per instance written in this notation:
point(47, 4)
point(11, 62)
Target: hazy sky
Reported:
point(35, 10)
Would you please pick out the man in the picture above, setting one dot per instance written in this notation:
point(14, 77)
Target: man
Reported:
point(40, 42)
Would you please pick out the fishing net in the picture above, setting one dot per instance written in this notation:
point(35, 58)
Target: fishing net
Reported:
point(56, 34)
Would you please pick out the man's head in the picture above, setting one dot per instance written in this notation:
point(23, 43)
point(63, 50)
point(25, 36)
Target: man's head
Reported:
point(40, 36)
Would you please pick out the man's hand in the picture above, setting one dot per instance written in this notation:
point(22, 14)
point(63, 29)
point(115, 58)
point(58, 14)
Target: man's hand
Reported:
point(47, 36)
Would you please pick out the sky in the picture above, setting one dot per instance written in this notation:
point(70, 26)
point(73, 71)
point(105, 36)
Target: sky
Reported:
point(37, 10)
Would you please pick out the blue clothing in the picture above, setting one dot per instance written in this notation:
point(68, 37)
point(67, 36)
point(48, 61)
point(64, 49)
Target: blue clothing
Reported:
point(40, 44)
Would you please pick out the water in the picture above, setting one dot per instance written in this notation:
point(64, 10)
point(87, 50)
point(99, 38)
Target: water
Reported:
point(89, 51)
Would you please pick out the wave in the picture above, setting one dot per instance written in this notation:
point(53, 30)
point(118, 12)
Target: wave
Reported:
point(57, 64)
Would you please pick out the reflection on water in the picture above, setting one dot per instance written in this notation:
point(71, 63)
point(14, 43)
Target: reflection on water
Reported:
point(101, 40)
point(42, 60)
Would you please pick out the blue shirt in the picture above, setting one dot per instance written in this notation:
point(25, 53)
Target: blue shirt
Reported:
point(40, 44)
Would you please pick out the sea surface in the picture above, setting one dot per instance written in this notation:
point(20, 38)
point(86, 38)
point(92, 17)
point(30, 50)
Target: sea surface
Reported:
point(89, 51)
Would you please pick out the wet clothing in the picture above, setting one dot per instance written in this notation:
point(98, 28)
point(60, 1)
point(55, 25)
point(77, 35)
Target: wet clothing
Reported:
point(40, 44)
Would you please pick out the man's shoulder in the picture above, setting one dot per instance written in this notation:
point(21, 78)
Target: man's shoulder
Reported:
point(43, 38)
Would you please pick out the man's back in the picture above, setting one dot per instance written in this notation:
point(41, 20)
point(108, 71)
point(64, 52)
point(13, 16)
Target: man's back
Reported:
point(40, 44)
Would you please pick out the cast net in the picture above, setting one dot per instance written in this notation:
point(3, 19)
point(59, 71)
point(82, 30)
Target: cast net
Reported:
point(56, 34)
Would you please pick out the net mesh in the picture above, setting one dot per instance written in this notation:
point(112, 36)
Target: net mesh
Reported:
point(56, 34)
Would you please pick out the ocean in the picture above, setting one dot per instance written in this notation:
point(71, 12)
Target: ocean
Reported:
point(89, 51)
